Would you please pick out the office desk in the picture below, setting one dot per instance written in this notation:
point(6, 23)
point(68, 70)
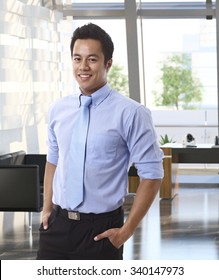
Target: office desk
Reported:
point(174, 154)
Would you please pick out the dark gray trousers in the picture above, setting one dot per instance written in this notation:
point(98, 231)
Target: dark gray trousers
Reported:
point(67, 239)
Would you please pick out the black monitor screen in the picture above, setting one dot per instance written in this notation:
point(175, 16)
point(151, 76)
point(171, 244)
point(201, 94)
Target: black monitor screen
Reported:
point(19, 188)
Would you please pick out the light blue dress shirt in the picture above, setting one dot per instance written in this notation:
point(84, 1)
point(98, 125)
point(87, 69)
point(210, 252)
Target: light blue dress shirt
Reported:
point(120, 132)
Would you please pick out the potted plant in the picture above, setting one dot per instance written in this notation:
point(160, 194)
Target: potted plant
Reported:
point(165, 139)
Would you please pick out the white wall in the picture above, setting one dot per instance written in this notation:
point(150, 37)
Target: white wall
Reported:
point(202, 124)
point(29, 74)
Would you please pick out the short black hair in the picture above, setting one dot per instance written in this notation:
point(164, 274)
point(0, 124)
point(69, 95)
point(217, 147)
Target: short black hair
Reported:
point(93, 31)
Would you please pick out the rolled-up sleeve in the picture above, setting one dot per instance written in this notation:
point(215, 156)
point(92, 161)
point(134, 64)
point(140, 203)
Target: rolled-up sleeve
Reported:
point(144, 149)
point(53, 150)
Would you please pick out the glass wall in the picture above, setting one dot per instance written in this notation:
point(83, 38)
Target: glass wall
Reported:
point(180, 65)
point(195, 38)
point(172, 1)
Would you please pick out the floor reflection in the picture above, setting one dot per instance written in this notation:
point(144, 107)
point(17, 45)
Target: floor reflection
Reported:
point(186, 227)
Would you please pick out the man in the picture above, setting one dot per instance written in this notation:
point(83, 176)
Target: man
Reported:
point(120, 132)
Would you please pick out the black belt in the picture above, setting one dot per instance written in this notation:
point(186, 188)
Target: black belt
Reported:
point(74, 215)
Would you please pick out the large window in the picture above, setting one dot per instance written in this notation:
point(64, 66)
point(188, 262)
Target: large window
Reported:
point(196, 38)
point(172, 1)
point(180, 66)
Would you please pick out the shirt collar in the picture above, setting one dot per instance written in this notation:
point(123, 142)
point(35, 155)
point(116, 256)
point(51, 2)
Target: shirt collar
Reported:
point(98, 96)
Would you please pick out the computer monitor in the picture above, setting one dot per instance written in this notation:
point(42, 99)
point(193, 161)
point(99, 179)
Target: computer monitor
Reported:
point(19, 188)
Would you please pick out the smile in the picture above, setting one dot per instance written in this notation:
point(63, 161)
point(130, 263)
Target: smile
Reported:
point(84, 76)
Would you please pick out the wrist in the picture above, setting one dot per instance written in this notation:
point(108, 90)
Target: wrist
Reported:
point(125, 233)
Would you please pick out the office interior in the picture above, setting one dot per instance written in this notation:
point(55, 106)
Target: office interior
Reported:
point(35, 70)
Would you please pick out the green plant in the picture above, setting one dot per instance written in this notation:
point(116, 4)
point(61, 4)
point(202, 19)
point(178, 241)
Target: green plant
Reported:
point(118, 80)
point(180, 86)
point(165, 139)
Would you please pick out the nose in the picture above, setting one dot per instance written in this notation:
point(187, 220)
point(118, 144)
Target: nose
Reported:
point(84, 65)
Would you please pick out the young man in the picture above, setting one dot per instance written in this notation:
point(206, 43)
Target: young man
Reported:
point(120, 131)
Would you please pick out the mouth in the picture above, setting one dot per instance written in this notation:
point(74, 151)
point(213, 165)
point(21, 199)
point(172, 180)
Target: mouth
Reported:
point(84, 76)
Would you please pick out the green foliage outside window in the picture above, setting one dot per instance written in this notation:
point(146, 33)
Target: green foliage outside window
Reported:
point(118, 80)
point(180, 88)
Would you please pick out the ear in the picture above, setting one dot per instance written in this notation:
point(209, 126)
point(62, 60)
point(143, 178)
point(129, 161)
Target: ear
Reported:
point(109, 64)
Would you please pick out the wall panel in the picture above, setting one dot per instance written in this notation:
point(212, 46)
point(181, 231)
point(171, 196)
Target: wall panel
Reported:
point(29, 73)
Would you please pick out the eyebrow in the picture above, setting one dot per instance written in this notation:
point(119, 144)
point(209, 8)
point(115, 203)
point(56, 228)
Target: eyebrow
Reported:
point(75, 54)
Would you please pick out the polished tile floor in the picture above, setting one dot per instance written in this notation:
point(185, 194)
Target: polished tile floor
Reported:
point(186, 227)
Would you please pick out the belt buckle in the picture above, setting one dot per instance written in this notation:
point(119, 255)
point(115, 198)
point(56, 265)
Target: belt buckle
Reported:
point(74, 216)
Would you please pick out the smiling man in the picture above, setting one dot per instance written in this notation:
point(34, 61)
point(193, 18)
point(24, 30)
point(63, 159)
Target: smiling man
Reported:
point(87, 222)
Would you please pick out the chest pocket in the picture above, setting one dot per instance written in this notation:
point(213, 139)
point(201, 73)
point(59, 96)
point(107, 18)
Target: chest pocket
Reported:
point(102, 150)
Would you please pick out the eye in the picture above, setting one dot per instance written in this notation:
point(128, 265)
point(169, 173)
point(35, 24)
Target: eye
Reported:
point(92, 59)
point(76, 59)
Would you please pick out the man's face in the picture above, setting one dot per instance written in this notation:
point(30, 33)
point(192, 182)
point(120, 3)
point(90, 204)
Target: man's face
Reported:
point(88, 65)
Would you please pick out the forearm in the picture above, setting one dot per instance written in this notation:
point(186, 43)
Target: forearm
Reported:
point(48, 189)
point(145, 196)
